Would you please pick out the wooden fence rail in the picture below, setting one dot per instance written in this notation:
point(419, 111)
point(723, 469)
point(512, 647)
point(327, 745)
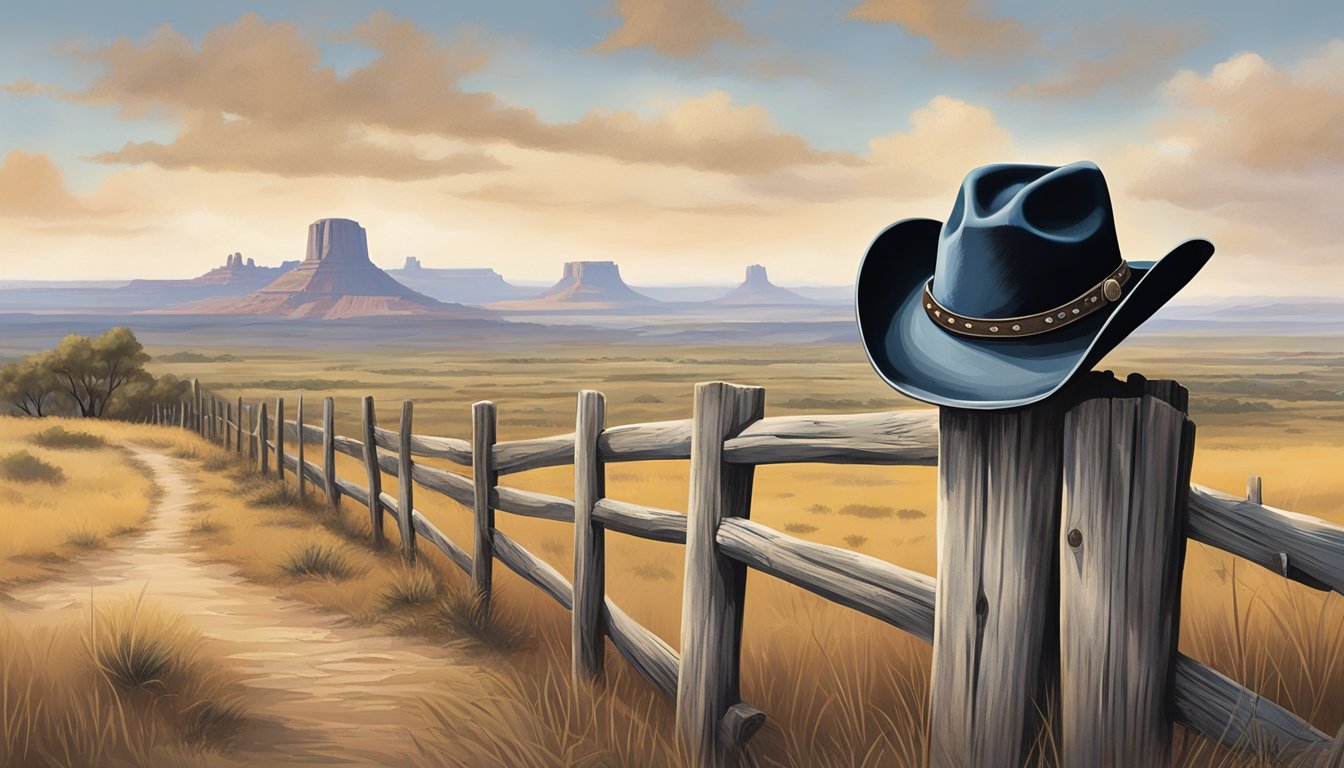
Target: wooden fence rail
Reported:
point(1026, 497)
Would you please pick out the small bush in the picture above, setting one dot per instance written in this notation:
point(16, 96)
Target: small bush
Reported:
point(207, 524)
point(907, 513)
point(24, 467)
point(869, 511)
point(314, 560)
point(855, 541)
point(800, 528)
point(413, 586)
point(462, 613)
point(219, 462)
point(60, 437)
point(819, 509)
point(84, 538)
point(653, 572)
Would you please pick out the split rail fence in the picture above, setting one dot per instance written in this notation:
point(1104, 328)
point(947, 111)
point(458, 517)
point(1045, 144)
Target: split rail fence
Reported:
point(1062, 530)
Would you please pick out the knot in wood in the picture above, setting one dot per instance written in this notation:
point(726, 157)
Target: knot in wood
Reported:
point(1075, 538)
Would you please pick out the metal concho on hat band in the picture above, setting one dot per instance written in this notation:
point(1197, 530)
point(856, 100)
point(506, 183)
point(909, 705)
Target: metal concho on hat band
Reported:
point(1108, 291)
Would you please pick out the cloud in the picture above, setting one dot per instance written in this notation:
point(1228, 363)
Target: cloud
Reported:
point(254, 97)
point(682, 29)
point(1251, 139)
point(957, 28)
point(1116, 53)
point(32, 186)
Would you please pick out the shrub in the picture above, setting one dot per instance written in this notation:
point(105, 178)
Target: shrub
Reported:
point(207, 524)
point(855, 541)
point(800, 528)
point(84, 538)
point(460, 612)
point(24, 467)
point(869, 511)
point(413, 586)
point(819, 509)
point(907, 513)
point(319, 561)
point(60, 437)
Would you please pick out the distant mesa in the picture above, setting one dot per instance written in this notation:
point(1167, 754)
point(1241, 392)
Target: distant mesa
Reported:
point(757, 289)
point(335, 280)
point(236, 271)
point(586, 285)
point(465, 286)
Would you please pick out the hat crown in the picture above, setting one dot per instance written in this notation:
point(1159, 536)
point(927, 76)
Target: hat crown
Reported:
point(1023, 239)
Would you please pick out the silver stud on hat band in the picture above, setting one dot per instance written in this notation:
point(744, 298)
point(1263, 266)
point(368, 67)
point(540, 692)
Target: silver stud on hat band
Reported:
point(1110, 289)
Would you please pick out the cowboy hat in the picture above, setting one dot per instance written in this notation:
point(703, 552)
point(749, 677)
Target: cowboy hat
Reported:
point(1020, 291)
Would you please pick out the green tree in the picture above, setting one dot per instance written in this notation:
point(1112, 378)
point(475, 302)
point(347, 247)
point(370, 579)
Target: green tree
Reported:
point(30, 385)
point(136, 401)
point(92, 370)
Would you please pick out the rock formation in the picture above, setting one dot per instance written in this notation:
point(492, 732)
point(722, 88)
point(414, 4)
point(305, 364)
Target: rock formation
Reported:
point(757, 289)
point(586, 285)
point(466, 286)
point(336, 279)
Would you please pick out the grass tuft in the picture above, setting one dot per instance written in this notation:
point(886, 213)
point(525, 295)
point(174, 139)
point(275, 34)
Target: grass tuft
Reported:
point(652, 572)
point(60, 437)
point(867, 511)
point(855, 541)
point(207, 524)
point(412, 586)
point(459, 612)
point(23, 467)
point(800, 528)
point(907, 513)
point(316, 560)
point(84, 538)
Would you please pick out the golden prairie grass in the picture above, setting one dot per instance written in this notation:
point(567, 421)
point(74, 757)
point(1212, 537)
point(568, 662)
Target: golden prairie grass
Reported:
point(101, 494)
point(131, 683)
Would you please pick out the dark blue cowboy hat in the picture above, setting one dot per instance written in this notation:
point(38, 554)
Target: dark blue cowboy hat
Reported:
point(1020, 291)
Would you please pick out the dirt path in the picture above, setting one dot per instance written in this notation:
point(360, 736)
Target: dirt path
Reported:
point(324, 692)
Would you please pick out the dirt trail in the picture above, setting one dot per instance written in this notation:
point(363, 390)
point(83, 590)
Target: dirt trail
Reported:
point(324, 691)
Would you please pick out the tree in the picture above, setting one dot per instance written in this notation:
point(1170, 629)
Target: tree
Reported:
point(136, 401)
point(92, 370)
point(30, 385)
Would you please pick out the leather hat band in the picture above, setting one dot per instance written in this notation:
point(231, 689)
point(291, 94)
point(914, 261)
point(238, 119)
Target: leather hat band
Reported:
point(1108, 291)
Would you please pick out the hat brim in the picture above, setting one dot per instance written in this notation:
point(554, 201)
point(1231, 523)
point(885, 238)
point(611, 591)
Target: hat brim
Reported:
point(919, 359)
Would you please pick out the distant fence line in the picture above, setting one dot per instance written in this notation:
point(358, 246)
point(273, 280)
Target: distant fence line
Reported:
point(1071, 488)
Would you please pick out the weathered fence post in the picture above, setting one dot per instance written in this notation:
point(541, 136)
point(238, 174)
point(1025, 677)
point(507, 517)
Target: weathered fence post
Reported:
point(182, 415)
point(263, 448)
point(1127, 454)
point(329, 452)
point(715, 585)
point(590, 485)
point(996, 619)
point(238, 427)
point(405, 483)
point(196, 406)
point(222, 434)
point(251, 432)
point(280, 439)
point(1253, 490)
point(371, 469)
point(300, 476)
point(484, 477)
point(228, 425)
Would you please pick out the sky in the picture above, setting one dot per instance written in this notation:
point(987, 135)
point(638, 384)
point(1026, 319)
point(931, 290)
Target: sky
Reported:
point(683, 140)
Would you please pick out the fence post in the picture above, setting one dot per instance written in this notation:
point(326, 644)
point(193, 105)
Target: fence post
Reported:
point(715, 585)
point(299, 476)
point(1253, 490)
point(222, 434)
point(263, 449)
point(590, 485)
point(371, 469)
point(405, 483)
point(329, 452)
point(196, 406)
point(995, 638)
point(228, 425)
point(280, 439)
point(238, 427)
point(1127, 454)
point(251, 432)
point(484, 477)
point(182, 415)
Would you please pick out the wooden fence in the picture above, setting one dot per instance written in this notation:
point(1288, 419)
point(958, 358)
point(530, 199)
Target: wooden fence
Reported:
point(1061, 527)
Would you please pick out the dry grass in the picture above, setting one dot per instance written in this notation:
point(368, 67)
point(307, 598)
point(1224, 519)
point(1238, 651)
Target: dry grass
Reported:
point(317, 560)
point(133, 684)
point(23, 467)
point(103, 496)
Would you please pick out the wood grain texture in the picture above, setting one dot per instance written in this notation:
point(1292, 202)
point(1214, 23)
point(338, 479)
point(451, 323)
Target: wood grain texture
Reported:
point(901, 437)
point(1311, 549)
point(532, 504)
point(639, 520)
point(522, 455)
point(900, 597)
point(653, 658)
point(646, 442)
point(715, 584)
point(533, 569)
point(353, 490)
point(329, 452)
point(238, 433)
point(372, 472)
point(452, 485)
point(1121, 549)
point(1216, 706)
point(997, 612)
point(405, 481)
point(196, 423)
point(263, 440)
point(590, 566)
point(436, 537)
point(484, 480)
point(280, 437)
point(427, 446)
point(298, 447)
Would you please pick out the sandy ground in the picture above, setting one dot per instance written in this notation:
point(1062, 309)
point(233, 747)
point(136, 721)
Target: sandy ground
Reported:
point(322, 690)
